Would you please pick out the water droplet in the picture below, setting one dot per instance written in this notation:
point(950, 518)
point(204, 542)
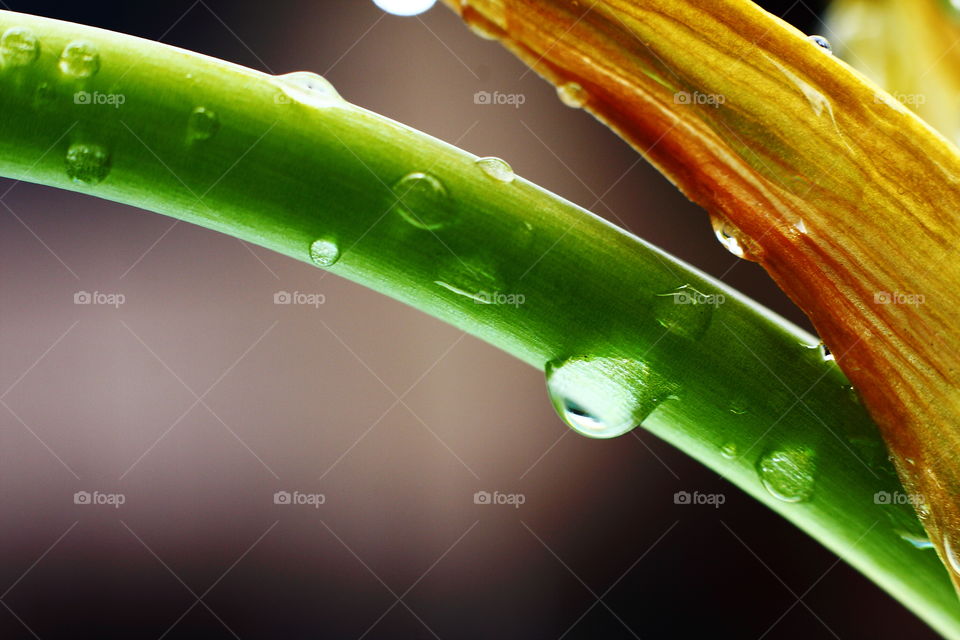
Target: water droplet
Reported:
point(788, 474)
point(423, 201)
point(732, 239)
point(404, 7)
point(800, 226)
point(821, 42)
point(496, 168)
point(80, 60)
point(307, 88)
point(822, 350)
point(572, 95)
point(852, 392)
point(19, 47)
point(202, 124)
point(324, 252)
point(87, 163)
point(684, 311)
point(918, 541)
point(729, 450)
point(604, 397)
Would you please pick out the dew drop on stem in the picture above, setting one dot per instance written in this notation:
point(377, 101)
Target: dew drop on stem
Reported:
point(19, 47)
point(87, 164)
point(423, 201)
point(788, 474)
point(496, 168)
point(80, 60)
point(324, 252)
point(604, 397)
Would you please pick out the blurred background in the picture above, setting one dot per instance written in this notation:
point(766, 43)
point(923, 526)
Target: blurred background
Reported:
point(197, 400)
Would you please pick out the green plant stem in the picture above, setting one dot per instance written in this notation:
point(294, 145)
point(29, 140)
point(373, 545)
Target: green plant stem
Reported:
point(283, 173)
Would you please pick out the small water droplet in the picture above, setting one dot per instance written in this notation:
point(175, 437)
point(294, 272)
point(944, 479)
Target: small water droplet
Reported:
point(800, 226)
point(604, 397)
point(729, 450)
point(306, 87)
point(821, 42)
point(19, 47)
point(496, 168)
point(202, 124)
point(852, 392)
point(788, 474)
point(822, 350)
point(423, 201)
point(917, 541)
point(732, 239)
point(324, 252)
point(572, 95)
point(684, 311)
point(87, 163)
point(80, 60)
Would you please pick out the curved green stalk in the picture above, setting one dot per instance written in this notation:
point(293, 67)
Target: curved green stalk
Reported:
point(629, 333)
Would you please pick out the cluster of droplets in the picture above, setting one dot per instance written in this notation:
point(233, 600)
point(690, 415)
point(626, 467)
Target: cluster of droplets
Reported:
point(19, 47)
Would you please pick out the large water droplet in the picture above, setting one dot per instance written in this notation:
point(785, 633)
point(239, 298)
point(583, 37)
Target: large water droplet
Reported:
point(324, 252)
point(821, 42)
point(87, 164)
point(306, 87)
point(603, 397)
point(684, 311)
point(572, 95)
point(19, 47)
point(496, 169)
point(202, 124)
point(80, 60)
point(732, 239)
point(789, 474)
point(423, 201)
